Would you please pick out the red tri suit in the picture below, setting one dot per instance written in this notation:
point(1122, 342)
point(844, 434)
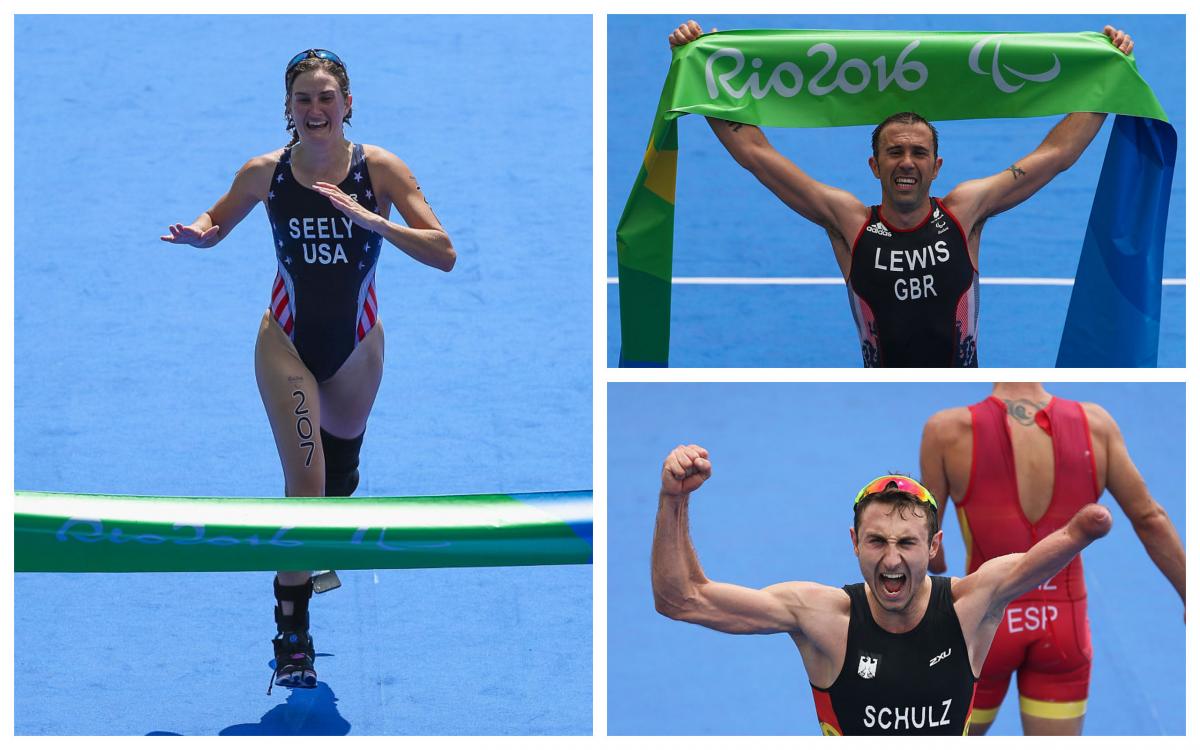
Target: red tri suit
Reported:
point(1044, 636)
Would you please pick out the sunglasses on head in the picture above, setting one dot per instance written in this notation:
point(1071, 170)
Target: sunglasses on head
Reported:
point(897, 482)
point(323, 54)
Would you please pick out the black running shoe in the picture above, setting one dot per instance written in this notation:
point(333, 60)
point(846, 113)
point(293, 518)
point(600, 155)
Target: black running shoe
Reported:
point(294, 656)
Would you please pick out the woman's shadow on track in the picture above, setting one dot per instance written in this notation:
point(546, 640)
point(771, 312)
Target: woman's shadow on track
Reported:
point(305, 713)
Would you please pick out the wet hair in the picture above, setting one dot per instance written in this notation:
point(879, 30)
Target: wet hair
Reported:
point(900, 502)
point(904, 118)
point(304, 66)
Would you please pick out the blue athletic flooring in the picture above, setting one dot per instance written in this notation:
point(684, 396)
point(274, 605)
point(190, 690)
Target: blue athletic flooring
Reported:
point(803, 326)
point(728, 225)
point(787, 460)
point(134, 365)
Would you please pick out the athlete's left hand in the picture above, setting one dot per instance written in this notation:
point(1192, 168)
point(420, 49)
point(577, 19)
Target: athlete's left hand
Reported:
point(1120, 39)
point(347, 205)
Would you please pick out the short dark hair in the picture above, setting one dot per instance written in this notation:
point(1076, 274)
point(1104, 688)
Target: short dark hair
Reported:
point(904, 118)
point(900, 501)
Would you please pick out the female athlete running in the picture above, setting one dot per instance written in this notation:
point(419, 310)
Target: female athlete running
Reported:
point(319, 355)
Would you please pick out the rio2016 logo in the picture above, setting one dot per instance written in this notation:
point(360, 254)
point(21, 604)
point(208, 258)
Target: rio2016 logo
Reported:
point(787, 79)
point(853, 75)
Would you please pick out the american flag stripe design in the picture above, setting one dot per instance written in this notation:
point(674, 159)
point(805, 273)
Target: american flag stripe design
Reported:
point(281, 302)
point(368, 306)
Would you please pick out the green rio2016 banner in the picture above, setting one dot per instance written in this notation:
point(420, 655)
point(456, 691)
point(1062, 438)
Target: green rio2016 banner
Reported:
point(835, 78)
point(112, 533)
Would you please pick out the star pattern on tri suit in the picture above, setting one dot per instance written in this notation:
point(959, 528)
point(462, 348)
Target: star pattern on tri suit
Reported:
point(279, 177)
point(369, 195)
point(287, 259)
point(270, 194)
point(358, 176)
point(280, 243)
point(361, 265)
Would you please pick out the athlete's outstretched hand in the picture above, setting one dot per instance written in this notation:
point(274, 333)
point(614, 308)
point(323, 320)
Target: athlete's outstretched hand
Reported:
point(347, 205)
point(188, 235)
point(687, 32)
point(1120, 39)
point(685, 469)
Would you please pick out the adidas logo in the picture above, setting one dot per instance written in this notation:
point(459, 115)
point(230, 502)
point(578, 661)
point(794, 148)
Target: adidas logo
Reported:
point(879, 228)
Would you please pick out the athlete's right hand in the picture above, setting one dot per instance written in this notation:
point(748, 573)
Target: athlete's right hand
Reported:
point(688, 32)
point(187, 235)
point(685, 469)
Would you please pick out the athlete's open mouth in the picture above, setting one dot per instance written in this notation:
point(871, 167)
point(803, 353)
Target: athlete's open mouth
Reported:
point(893, 583)
point(906, 181)
point(316, 124)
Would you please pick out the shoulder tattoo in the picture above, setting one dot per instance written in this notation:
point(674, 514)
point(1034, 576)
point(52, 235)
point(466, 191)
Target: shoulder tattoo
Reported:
point(1023, 410)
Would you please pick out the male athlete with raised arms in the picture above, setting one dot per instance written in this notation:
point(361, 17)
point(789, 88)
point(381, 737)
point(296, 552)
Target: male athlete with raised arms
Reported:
point(898, 654)
point(910, 263)
point(1017, 465)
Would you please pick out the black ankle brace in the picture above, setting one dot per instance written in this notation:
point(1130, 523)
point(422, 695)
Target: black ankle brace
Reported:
point(299, 597)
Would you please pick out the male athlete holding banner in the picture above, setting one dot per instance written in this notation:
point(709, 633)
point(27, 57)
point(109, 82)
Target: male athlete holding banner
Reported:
point(910, 263)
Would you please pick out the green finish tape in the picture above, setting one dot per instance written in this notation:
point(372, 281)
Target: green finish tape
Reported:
point(807, 79)
point(75, 533)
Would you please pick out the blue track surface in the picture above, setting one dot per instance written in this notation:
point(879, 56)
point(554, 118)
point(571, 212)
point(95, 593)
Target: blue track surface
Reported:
point(787, 460)
point(134, 370)
point(728, 225)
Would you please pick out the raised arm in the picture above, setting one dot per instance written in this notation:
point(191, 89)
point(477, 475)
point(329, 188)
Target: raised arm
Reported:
point(249, 187)
point(1150, 521)
point(683, 592)
point(824, 205)
point(976, 200)
point(980, 598)
point(834, 209)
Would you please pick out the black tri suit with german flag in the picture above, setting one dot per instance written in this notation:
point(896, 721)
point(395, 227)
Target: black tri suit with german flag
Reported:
point(919, 682)
point(914, 292)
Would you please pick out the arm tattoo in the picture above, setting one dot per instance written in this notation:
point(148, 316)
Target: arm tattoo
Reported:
point(736, 126)
point(1023, 410)
point(416, 185)
point(1016, 171)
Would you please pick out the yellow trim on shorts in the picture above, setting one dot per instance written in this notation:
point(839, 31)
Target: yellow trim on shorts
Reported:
point(983, 715)
point(1052, 709)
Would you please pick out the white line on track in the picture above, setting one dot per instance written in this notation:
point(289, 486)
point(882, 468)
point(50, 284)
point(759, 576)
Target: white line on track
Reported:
point(834, 281)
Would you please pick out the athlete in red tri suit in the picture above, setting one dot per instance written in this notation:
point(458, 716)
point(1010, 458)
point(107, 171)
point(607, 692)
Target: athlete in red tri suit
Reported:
point(910, 263)
point(896, 654)
point(1018, 465)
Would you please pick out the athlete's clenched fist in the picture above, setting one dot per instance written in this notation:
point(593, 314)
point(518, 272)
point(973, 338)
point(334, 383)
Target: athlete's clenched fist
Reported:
point(685, 469)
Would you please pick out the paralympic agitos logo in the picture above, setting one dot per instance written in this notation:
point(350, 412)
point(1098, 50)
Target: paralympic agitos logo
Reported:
point(724, 72)
point(998, 75)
